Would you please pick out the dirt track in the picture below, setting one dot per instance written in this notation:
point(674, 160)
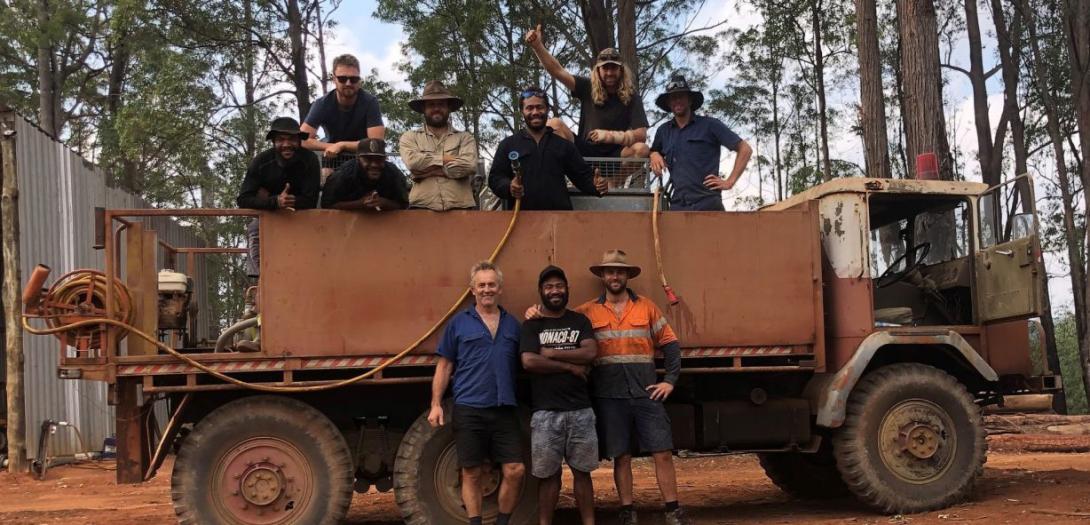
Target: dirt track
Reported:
point(1026, 482)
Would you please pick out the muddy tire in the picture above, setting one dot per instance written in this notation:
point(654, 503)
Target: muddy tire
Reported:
point(805, 476)
point(912, 441)
point(427, 484)
point(263, 460)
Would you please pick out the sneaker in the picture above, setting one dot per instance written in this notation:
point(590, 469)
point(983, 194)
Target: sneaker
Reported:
point(627, 517)
point(677, 517)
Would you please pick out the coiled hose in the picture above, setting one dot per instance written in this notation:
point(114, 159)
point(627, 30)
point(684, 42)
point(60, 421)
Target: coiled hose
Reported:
point(127, 327)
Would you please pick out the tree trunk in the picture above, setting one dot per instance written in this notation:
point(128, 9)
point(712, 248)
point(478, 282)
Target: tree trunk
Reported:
point(47, 108)
point(298, 58)
point(819, 83)
point(925, 126)
point(598, 22)
point(1076, 26)
point(626, 38)
point(1076, 258)
point(989, 173)
point(777, 131)
point(121, 57)
point(321, 47)
point(249, 87)
point(872, 98)
point(12, 282)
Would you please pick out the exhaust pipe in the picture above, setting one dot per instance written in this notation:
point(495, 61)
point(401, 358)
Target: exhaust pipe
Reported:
point(32, 293)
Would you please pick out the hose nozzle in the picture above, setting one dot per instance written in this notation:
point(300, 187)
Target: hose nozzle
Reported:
point(670, 296)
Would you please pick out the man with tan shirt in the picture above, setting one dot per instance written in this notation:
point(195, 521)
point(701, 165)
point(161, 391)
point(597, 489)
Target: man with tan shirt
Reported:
point(441, 160)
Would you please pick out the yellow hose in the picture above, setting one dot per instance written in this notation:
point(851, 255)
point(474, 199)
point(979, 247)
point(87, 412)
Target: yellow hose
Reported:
point(282, 389)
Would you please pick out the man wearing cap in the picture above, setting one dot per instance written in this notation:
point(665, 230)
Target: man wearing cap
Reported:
point(688, 146)
point(441, 159)
point(533, 163)
point(612, 120)
point(285, 176)
point(557, 349)
point(627, 395)
point(371, 183)
point(479, 350)
point(348, 114)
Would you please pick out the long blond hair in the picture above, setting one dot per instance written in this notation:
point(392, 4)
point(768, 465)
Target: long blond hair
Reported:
point(625, 92)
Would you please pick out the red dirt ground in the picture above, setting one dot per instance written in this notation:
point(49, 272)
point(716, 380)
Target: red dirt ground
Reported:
point(1029, 479)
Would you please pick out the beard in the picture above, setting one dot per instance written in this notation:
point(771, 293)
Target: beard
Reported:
point(438, 120)
point(550, 303)
point(530, 124)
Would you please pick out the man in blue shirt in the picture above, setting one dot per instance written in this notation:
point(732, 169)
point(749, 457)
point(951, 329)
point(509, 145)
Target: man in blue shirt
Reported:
point(688, 146)
point(480, 348)
point(348, 115)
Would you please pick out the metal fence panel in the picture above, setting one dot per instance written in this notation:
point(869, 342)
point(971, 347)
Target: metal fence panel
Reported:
point(58, 191)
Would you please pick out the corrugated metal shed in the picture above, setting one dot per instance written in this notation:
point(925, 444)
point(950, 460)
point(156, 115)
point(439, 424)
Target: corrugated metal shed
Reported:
point(58, 191)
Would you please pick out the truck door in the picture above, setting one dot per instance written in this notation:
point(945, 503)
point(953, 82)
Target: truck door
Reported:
point(1005, 264)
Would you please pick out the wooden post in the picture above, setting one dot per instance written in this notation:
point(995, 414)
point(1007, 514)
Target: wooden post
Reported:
point(141, 278)
point(12, 293)
point(132, 440)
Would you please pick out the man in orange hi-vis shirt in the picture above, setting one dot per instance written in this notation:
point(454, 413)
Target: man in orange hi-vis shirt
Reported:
point(627, 395)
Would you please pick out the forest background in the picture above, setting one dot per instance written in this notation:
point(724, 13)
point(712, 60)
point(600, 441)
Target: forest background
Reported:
point(172, 98)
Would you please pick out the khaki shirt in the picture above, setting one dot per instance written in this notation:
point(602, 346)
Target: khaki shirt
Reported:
point(422, 148)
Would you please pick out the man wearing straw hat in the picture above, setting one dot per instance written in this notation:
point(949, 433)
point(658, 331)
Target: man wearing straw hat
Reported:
point(688, 145)
point(441, 159)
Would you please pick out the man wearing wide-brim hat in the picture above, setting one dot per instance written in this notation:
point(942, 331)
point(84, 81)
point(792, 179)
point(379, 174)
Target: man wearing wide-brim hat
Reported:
point(688, 145)
point(441, 160)
point(283, 177)
point(626, 392)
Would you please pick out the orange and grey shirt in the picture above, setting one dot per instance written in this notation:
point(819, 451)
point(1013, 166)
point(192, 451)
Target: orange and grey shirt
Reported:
point(625, 365)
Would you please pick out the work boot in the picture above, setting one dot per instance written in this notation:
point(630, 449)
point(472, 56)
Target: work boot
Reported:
point(677, 517)
point(627, 517)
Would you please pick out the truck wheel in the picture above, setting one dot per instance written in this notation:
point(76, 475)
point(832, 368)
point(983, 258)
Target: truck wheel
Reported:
point(263, 460)
point(427, 480)
point(805, 476)
point(913, 440)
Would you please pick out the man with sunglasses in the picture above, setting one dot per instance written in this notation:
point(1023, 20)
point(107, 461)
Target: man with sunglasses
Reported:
point(689, 145)
point(543, 162)
point(347, 114)
point(612, 120)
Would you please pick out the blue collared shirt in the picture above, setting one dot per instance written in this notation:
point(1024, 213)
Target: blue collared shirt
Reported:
point(484, 368)
point(691, 154)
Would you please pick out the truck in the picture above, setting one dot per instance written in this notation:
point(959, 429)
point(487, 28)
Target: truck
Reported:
point(850, 335)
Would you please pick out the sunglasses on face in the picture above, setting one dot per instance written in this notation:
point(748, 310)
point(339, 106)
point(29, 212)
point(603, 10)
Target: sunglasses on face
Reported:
point(345, 79)
point(532, 93)
point(676, 84)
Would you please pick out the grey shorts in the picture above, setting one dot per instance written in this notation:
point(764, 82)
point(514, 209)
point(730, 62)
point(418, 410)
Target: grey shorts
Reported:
point(563, 436)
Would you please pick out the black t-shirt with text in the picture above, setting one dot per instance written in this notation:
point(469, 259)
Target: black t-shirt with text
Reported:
point(560, 391)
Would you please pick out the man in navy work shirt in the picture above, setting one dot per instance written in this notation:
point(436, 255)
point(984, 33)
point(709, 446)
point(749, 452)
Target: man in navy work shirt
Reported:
point(480, 349)
point(688, 145)
point(348, 114)
point(545, 159)
point(369, 183)
point(284, 176)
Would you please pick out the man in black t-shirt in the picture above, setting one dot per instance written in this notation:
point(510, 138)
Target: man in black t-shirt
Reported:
point(348, 114)
point(370, 183)
point(557, 348)
point(612, 120)
point(283, 177)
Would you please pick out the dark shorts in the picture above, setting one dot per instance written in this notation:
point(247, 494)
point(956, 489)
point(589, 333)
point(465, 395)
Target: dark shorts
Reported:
point(709, 203)
point(631, 426)
point(487, 435)
point(562, 436)
point(587, 149)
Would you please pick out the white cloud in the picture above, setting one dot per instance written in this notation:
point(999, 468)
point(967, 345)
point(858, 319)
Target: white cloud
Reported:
point(384, 60)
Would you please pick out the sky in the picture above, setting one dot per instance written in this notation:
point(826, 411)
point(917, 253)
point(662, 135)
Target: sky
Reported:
point(378, 45)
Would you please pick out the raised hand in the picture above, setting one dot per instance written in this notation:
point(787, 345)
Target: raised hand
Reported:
point(286, 200)
point(534, 37)
point(600, 183)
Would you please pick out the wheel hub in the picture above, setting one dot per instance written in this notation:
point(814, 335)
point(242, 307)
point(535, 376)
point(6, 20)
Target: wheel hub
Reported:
point(916, 442)
point(263, 481)
point(262, 484)
point(922, 441)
